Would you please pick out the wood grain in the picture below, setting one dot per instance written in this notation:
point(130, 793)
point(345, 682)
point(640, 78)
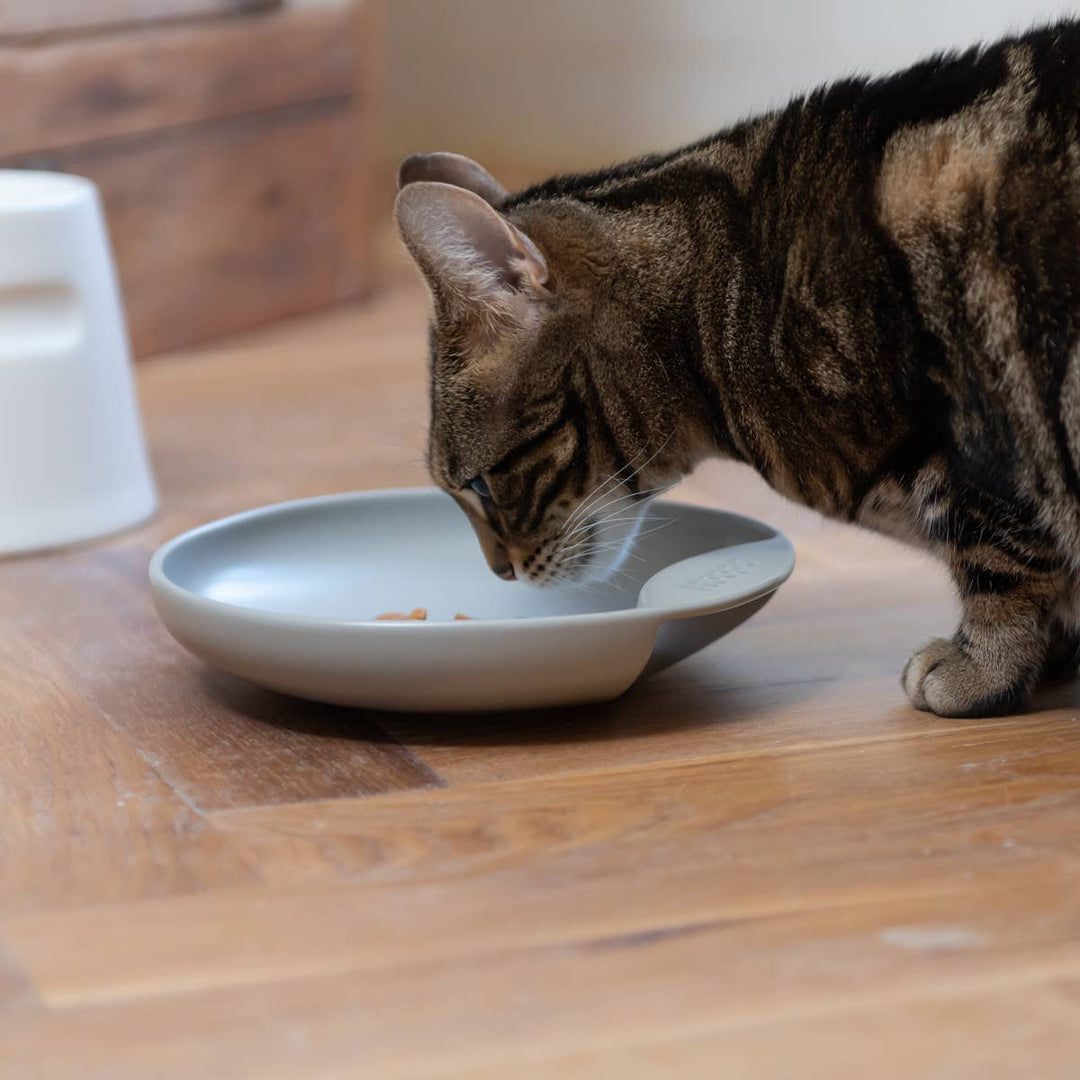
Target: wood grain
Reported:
point(86, 819)
point(226, 225)
point(940, 1038)
point(761, 863)
point(751, 808)
point(1022, 1028)
point(26, 18)
point(447, 1016)
point(232, 156)
point(147, 81)
point(198, 730)
point(730, 866)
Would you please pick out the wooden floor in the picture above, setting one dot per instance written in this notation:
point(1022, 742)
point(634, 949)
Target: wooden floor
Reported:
point(760, 863)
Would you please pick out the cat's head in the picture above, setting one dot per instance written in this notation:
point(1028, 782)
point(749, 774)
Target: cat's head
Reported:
point(549, 424)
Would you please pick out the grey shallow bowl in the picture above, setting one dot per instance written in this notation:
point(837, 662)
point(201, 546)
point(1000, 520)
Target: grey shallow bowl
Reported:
point(286, 597)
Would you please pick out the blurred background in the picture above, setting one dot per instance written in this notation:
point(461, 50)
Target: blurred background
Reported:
point(246, 148)
point(572, 83)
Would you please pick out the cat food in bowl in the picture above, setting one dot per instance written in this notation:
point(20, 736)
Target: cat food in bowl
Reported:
point(287, 597)
point(416, 615)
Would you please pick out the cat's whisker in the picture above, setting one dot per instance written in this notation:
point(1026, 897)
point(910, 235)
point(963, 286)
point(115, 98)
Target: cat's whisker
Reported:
point(588, 550)
point(598, 545)
point(625, 481)
point(589, 528)
point(633, 496)
point(597, 494)
point(617, 477)
point(613, 478)
point(600, 539)
point(642, 495)
point(616, 514)
point(602, 549)
point(652, 457)
point(586, 542)
point(611, 576)
point(629, 497)
point(655, 528)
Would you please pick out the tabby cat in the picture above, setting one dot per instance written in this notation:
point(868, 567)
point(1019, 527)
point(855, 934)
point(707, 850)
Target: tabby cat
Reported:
point(872, 296)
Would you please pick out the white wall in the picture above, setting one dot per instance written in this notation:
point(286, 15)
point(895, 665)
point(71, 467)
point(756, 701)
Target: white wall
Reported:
point(563, 83)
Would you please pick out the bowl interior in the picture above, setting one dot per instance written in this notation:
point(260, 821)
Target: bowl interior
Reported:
point(353, 557)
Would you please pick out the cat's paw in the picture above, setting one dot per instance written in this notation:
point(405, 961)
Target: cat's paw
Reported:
point(943, 679)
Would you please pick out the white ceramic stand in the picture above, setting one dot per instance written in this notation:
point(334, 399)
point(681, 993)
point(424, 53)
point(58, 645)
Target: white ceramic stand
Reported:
point(72, 461)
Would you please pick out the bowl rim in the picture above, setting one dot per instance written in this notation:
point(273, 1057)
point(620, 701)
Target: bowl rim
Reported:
point(164, 587)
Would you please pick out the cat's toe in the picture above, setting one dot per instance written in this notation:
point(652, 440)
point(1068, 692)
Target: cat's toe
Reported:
point(943, 679)
point(919, 666)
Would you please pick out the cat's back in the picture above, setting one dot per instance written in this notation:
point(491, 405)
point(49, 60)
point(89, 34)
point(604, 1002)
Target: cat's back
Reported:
point(979, 187)
point(968, 136)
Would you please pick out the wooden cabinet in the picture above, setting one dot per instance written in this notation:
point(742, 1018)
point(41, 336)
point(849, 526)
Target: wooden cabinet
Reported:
point(232, 150)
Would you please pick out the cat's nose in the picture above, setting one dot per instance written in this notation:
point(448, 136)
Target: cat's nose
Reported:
point(505, 571)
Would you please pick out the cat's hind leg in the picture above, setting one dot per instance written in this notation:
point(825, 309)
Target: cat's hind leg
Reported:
point(1003, 643)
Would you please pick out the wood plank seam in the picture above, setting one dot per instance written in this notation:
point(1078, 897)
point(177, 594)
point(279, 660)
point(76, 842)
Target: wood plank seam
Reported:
point(438, 783)
point(122, 88)
point(761, 752)
point(1028, 977)
point(1050, 963)
point(1063, 959)
point(216, 128)
point(239, 9)
point(153, 763)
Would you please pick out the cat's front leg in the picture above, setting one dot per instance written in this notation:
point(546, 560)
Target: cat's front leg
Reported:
point(1000, 650)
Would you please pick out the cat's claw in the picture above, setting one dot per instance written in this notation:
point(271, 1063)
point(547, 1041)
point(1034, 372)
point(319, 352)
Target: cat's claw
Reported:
point(943, 679)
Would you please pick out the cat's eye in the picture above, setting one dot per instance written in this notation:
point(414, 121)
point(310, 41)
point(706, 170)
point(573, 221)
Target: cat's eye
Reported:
point(479, 485)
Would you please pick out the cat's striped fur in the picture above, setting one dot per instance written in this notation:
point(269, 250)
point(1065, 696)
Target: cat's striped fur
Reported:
point(872, 296)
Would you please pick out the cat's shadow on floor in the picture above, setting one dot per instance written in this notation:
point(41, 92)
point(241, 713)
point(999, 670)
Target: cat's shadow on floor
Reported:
point(650, 707)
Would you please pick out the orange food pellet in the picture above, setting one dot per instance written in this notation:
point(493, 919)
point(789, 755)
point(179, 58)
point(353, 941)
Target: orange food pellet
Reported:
point(416, 615)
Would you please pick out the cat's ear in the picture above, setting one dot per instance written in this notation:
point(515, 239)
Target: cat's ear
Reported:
point(453, 169)
point(480, 267)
